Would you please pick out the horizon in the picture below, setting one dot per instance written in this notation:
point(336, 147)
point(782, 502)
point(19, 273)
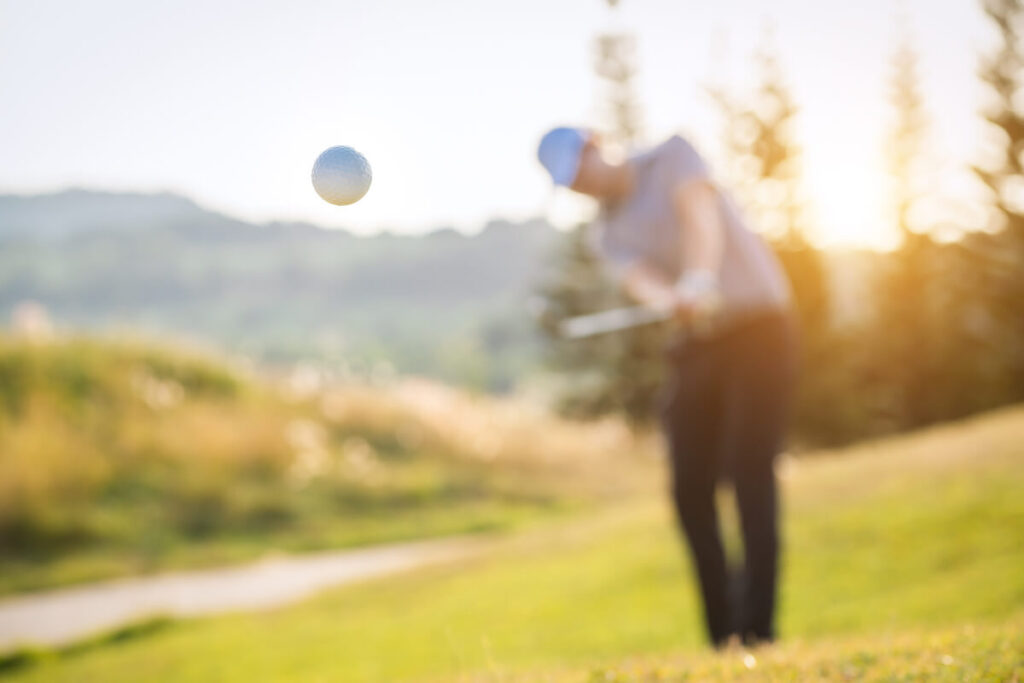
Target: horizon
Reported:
point(462, 231)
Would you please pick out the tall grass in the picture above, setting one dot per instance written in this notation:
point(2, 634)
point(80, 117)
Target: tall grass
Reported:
point(118, 457)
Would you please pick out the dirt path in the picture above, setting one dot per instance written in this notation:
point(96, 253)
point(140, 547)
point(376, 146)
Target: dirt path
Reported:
point(69, 614)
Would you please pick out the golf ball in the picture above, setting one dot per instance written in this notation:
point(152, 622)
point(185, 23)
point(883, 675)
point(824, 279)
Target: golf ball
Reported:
point(341, 175)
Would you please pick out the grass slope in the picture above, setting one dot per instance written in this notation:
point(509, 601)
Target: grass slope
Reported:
point(891, 549)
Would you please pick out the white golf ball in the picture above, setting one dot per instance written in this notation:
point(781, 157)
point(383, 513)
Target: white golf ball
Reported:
point(341, 175)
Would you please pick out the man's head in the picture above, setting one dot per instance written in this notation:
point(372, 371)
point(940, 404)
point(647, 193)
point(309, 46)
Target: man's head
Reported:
point(572, 156)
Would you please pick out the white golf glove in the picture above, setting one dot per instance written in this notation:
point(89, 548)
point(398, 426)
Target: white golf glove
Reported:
point(699, 294)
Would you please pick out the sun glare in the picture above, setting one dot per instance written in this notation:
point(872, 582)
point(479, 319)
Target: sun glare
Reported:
point(848, 204)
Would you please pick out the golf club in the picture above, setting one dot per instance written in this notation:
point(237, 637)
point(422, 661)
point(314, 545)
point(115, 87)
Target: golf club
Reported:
point(614, 320)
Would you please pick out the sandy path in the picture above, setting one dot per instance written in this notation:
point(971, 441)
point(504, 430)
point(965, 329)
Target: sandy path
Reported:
point(68, 614)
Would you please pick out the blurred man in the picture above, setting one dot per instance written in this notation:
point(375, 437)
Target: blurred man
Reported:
point(679, 244)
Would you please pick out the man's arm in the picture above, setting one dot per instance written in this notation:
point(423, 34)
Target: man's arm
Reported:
point(697, 206)
point(698, 209)
point(649, 287)
point(696, 203)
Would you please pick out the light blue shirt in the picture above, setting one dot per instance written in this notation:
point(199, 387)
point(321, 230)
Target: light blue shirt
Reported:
point(645, 228)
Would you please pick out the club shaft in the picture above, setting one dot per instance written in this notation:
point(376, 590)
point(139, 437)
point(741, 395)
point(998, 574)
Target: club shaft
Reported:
point(614, 320)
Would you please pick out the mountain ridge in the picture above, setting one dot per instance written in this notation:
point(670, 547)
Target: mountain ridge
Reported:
point(446, 304)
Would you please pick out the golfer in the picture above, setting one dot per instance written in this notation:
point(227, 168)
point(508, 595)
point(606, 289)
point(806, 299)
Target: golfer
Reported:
point(678, 243)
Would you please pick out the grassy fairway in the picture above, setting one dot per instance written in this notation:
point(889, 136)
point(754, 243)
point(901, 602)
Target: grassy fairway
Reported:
point(891, 550)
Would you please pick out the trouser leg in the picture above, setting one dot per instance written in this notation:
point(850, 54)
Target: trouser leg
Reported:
point(692, 431)
point(757, 499)
point(757, 401)
point(695, 506)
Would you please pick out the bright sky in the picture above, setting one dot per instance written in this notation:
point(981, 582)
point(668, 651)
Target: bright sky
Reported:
point(230, 102)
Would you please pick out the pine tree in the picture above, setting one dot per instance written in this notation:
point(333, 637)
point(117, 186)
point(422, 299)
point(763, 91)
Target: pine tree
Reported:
point(908, 337)
point(636, 358)
point(578, 284)
point(783, 211)
point(999, 278)
point(615, 64)
point(619, 372)
point(764, 164)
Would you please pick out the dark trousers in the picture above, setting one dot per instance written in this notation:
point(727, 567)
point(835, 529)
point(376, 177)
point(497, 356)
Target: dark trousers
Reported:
point(724, 414)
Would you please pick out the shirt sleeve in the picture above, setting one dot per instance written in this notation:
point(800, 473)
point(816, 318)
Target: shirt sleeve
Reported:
point(616, 257)
point(684, 162)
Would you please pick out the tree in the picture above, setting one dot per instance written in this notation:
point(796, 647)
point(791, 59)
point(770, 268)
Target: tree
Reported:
point(909, 334)
point(577, 284)
point(999, 281)
point(764, 167)
point(619, 372)
point(615, 64)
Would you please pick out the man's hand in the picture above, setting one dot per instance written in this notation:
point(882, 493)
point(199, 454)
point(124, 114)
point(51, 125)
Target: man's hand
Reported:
point(697, 299)
point(693, 300)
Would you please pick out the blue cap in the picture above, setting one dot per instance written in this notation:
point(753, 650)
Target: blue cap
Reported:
point(560, 151)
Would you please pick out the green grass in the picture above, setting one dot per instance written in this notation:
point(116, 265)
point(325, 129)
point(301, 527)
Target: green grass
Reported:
point(146, 555)
point(29, 656)
point(891, 549)
point(971, 652)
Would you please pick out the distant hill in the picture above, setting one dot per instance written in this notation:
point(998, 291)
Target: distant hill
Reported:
point(68, 213)
point(445, 304)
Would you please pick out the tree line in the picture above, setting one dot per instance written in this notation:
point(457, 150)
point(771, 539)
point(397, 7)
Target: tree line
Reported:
point(942, 335)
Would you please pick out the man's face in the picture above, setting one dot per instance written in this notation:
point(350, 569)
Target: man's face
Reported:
point(592, 176)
